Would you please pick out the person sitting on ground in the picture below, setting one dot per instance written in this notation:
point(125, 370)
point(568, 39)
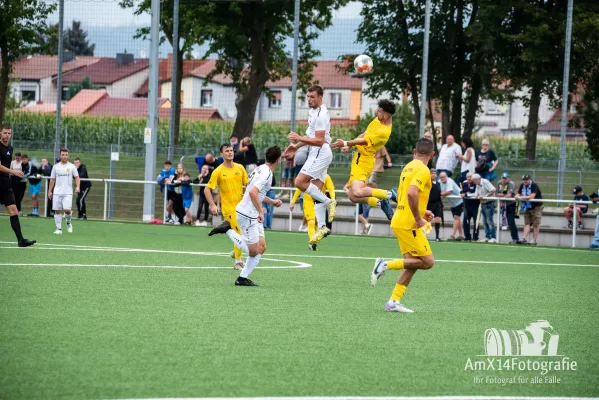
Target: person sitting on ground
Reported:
point(580, 208)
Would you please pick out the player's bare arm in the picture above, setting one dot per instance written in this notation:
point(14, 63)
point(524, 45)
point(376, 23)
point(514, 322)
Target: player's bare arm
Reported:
point(275, 202)
point(213, 207)
point(359, 141)
point(51, 188)
point(77, 183)
point(255, 197)
point(317, 141)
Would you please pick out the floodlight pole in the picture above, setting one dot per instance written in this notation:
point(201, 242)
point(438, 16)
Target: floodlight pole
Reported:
point(152, 122)
point(174, 94)
point(59, 78)
point(427, 23)
point(564, 122)
point(294, 71)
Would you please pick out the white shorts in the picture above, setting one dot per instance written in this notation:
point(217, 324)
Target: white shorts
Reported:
point(251, 229)
point(62, 202)
point(318, 162)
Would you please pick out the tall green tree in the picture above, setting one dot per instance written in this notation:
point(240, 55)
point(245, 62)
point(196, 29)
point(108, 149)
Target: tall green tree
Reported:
point(20, 22)
point(75, 41)
point(48, 40)
point(590, 111)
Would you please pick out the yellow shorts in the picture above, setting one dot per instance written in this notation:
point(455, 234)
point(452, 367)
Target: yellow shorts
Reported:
point(309, 212)
point(412, 241)
point(360, 169)
point(231, 216)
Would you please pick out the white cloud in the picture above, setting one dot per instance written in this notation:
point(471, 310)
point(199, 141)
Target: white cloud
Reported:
point(99, 13)
point(351, 10)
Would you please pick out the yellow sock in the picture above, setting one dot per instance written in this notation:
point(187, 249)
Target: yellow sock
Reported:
point(373, 202)
point(395, 264)
point(238, 253)
point(311, 228)
point(398, 292)
point(379, 193)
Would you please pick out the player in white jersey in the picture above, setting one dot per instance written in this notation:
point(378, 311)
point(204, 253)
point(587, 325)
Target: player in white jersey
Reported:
point(61, 190)
point(312, 176)
point(250, 216)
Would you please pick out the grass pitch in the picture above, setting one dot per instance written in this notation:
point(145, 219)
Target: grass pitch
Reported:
point(138, 311)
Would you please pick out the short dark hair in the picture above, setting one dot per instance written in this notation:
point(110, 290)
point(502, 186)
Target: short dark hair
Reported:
point(224, 146)
point(77, 159)
point(18, 154)
point(6, 126)
point(424, 147)
point(316, 88)
point(272, 154)
point(468, 142)
point(25, 156)
point(169, 162)
point(187, 175)
point(64, 150)
point(387, 106)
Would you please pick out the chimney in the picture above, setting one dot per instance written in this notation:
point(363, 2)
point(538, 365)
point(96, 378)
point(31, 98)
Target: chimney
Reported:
point(124, 58)
point(67, 56)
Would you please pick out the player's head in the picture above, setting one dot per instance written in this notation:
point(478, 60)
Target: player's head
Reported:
point(315, 93)
point(385, 110)
point(443, 177)
point(424, 150)
point(273, 155)
point(77, 162)
point(168, 164)
point(64, 155)
point(226, 151)
point(6, 132)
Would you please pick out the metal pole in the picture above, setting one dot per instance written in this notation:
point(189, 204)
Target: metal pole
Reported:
point(357, 220)
point(105, 199)
point(46, 199)
point(164, 203)
point(59, 77)
point(566, 84)
point(498, 224)
point(111, 199)
point(427, 24)
point(294, 67)
point(152, 123)
point(574, 225)
point(174, 94)
point(66, 135)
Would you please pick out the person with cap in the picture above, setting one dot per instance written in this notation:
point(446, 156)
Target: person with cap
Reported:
point(595, 242)
point(435, 203)
point(580, 208)
point(533, 211)
point(484, 189)
point(507, 189)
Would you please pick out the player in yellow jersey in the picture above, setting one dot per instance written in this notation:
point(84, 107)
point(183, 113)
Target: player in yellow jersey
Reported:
point(411, 215)
point(230, 178)
point(376, 135)
point(309, 212)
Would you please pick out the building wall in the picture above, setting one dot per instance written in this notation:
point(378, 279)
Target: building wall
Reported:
point(355, 106)
point(128, 86)
point(17, 87)
point(48, 91)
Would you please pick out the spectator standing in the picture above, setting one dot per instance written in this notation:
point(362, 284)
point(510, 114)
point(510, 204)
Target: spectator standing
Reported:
point(468, 159)
point(449, 187)
point(381, 159)
point(250, 154)
point(449, 155)
point(486, 162)
point(595, 243)
point(86, 186)
point(46, 170)
point(165, 177)
point(269, 208)
point(507, 189)
point(211, 162)
point(287, 177)
point(187, 194)
point(22, 188)
point(178, 195)
point(15, 181)
point(35, 186)
point(533, 211)
point(471, 207)
point(435, 203)
point(580, 208)
point(203, 204)
point(484, 189)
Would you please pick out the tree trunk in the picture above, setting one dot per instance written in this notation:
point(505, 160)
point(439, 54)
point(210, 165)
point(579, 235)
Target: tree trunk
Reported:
point(533, 122)
point(445, 118)
point(433, 130)
point(472, 106)
point(4, 73)
point(246, 105)
point(415, 102)
point(178, 96)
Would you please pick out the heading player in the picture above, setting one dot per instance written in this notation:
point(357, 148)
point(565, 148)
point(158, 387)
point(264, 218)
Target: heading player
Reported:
point(61, 190)
point(250, 215)
point(312, 176)
point(367, 144)
point(411, 215)
point(230, 178)
point(7, 196)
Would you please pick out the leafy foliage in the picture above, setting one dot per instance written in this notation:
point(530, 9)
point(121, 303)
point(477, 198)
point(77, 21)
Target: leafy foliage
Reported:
point(75, 41)
point(85, 83)
point(590, 110)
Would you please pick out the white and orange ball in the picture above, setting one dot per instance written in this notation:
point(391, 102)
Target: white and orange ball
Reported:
point(363, 64)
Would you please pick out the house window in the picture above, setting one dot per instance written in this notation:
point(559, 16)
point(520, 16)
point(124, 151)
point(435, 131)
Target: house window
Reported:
point(206, 98)
point(335, 100)
point(573, 108)
point(65, 93)
point(275, 101)
point(28, 95)
point(182, 97)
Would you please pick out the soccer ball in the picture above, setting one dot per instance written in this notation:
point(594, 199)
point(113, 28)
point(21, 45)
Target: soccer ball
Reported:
point(363, 64)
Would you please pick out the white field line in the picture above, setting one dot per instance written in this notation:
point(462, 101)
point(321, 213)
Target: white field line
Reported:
point(299, 265)
point(46, 246)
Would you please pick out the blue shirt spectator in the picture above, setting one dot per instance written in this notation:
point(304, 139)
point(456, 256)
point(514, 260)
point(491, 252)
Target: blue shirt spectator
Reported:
point(167, 172)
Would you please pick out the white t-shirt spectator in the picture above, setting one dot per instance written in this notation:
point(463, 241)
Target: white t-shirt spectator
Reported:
point(451, 186)
point(448, 157)
point(261, 178)
point(470, 165)
point(64, 174)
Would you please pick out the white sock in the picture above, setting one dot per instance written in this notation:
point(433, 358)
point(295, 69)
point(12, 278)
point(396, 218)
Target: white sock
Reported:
point(389, 195)
point(320, 209)
point(68, 218)
point(317, 194)
point(238, 241)
point(58, 221)
point(250, 264)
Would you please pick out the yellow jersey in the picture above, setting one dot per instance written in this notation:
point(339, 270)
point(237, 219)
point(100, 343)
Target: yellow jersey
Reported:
point(230, 182)
point(376, 135)
point(415, 173)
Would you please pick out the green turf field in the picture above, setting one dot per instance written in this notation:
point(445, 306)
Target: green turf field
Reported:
point(138, 311)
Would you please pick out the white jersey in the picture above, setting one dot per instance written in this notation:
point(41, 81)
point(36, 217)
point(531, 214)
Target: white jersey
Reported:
point(262, 179)
point(63, 174)
point(319, 120)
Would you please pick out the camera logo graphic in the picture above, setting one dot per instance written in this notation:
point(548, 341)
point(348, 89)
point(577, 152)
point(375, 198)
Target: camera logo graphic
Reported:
point(537, 339)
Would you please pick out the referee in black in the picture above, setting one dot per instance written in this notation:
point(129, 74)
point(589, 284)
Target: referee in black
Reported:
point(7, 196)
